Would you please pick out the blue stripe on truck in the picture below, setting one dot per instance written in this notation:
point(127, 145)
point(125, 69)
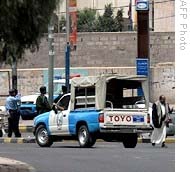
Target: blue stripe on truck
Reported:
point(89, 116)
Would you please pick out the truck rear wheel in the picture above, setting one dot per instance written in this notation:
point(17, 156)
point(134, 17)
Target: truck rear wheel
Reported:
point(85, 138)
point(42, 137)
point(130, 140)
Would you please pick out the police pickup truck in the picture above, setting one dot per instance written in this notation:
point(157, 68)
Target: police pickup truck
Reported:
point(98, 107)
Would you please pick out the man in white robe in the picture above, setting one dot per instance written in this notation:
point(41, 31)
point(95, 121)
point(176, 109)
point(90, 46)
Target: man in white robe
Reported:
point(160, 116)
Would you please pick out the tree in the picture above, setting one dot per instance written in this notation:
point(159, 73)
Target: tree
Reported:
point(86, 20)
point(23, 23)
point(119, 20)
point(90, 21)
point(109, 23)
point(106, 22)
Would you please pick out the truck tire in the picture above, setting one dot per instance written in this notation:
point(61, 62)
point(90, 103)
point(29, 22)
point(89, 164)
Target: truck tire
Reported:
point(85, 138)
point(42, 137)
point(130, 140)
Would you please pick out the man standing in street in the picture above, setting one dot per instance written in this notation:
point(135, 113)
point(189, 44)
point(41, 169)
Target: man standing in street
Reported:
point(42, 104)
point(13, 113)
point(160, 117)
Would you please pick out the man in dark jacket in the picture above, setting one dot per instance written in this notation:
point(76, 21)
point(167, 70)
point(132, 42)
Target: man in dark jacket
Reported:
point(64, 91)
point(42, 104)
point(160, 116)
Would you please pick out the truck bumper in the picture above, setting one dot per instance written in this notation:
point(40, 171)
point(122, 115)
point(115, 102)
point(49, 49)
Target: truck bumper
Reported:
point(130, 129)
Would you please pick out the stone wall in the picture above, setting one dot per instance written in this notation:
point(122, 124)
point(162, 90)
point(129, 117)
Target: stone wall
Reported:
point(162, 79)
point(103, 50)
point(99, 53)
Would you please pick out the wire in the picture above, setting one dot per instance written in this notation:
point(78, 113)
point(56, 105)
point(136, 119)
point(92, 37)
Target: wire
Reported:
point(163, 17)
point(159, 18)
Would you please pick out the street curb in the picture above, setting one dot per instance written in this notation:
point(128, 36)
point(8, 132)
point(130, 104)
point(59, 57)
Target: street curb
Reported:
point(10, 165)
point(26, 128)
point(32, 140)
point(17, 140)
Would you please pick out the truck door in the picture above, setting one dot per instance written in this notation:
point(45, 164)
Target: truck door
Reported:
point(59, 120)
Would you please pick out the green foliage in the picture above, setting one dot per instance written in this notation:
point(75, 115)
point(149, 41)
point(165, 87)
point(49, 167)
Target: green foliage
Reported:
point(106, 22)
point(119, 20)
point(86, 20)
point(23, 22)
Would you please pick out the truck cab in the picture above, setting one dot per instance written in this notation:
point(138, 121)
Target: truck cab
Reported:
point(101, 107)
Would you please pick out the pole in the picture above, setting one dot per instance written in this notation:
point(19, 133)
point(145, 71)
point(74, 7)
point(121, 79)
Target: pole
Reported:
point(152, 15)
point(51, 62)
point(143, 41)
point(67, 52)
point(131, 20)
point(14, 73)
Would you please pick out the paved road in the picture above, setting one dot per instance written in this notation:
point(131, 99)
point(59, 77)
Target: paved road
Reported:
point(107, 157)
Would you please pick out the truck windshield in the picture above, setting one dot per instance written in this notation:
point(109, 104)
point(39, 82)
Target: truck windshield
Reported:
point(57, 87)
point(123, 94)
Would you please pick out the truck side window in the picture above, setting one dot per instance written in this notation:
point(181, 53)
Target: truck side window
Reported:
point(64, 102)
point(85, 97)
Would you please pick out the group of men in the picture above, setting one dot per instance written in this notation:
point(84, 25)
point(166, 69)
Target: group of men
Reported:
point(160, 114)
point(13, 103)
point(42, 104)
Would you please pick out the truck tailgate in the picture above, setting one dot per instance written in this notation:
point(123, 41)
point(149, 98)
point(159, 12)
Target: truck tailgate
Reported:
point(122, 118)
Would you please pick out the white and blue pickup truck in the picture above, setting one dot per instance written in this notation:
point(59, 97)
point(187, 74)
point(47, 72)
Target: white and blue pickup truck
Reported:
point(98, 107)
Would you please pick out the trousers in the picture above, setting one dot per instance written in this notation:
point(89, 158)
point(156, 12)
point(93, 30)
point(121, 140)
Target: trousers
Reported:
point(13, 123)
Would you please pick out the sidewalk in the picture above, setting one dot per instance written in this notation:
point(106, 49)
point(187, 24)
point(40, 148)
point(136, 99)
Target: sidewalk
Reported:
point(10, 165)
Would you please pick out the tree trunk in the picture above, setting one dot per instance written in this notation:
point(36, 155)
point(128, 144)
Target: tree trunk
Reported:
point(14, 73)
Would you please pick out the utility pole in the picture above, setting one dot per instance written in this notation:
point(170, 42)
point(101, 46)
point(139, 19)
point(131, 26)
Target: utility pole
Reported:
point(67, 51)
point(51, 61)
point(143, 55)
point(130, 15)
point(152, 15)
point(14, 72)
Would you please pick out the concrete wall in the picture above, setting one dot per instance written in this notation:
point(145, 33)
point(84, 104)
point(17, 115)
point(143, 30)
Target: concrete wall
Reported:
point(97, 53)
point(103, 50)
point(163, 82)
point(162, 79)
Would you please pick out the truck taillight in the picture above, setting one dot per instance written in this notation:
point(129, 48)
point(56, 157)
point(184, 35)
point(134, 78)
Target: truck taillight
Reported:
point(101, 118)
point(148, 118)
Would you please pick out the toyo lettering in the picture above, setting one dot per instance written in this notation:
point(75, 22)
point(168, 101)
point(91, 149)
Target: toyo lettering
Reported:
point(118, 118)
